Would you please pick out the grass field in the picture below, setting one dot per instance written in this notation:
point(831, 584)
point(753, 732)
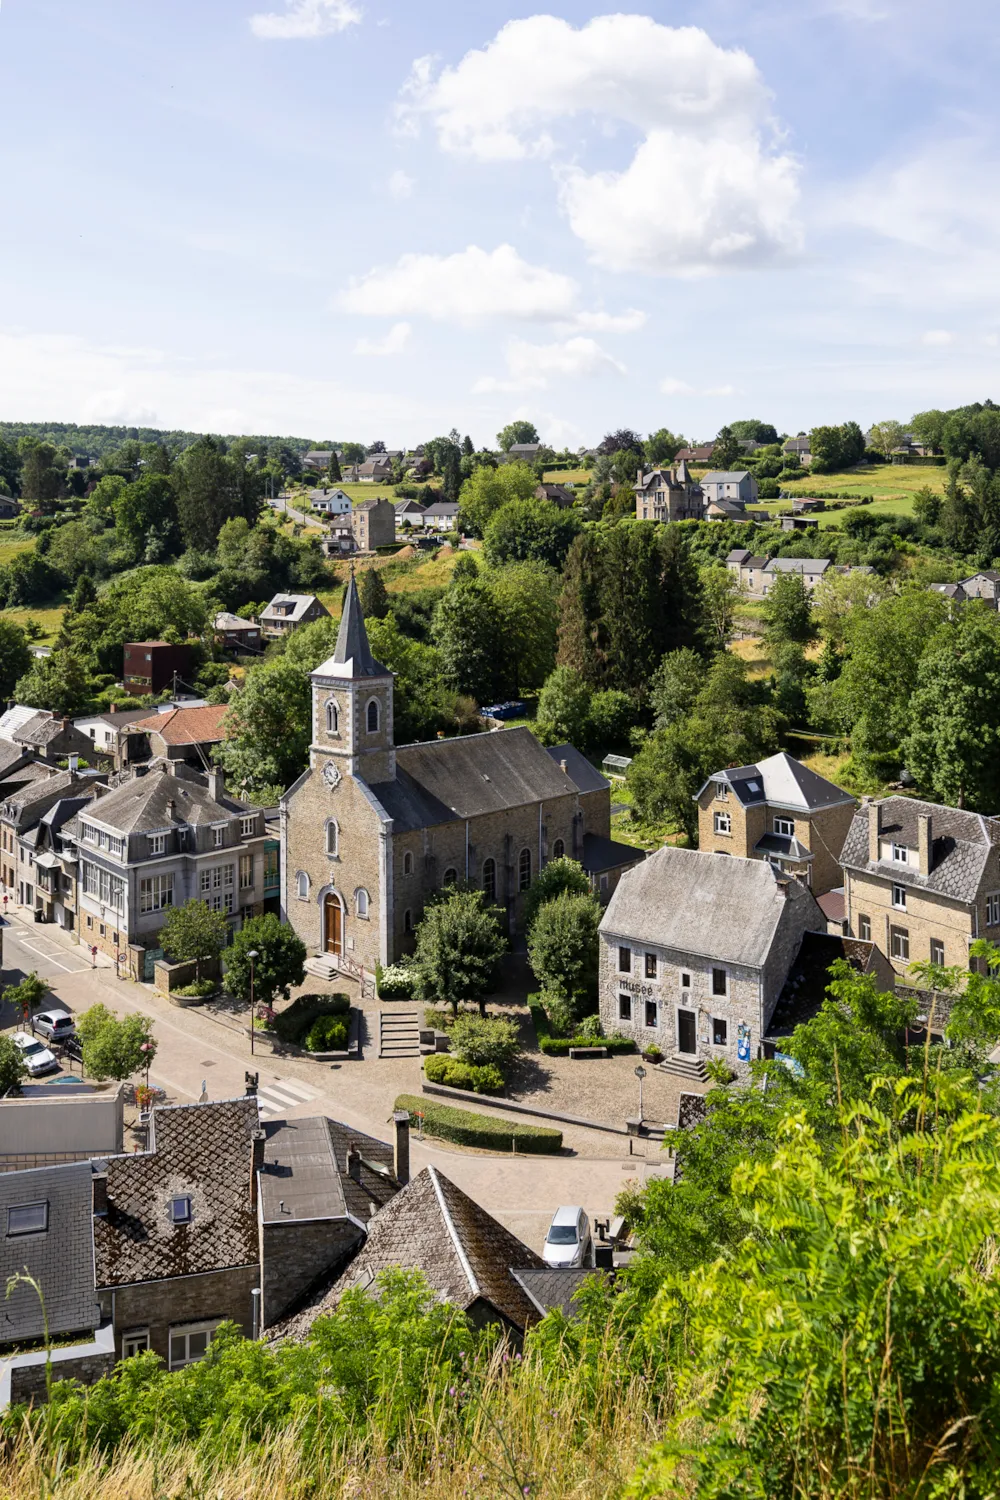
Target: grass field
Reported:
point(406, 576)
point(567, 476)
point(49, 619)
point(9, 550)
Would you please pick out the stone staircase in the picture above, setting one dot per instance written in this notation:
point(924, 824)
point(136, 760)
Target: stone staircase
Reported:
point(327, 966)
point(398, 1034)
point(685, 1065)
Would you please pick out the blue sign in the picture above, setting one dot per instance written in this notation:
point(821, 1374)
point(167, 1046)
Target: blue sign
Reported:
point(743, 1043)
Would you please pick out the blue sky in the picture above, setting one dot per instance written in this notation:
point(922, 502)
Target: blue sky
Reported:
point(361, 219)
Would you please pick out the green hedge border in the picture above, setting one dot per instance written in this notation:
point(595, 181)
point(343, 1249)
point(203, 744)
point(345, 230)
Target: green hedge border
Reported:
point(487, 1132)
point(558, 1046)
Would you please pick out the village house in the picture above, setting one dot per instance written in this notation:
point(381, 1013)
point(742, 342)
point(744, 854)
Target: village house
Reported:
point(921, 881)
point(524, 453)
point(984, 585)
point(557, 493)
point(441, 515)
point(410, 511)
point(20, 811)
point(698, 454)
point(175, 734)
point(756, 575)
point(695, 952)
point(287, 612)
point(668, 495)
point(51, 739)
point(733, 485)
point(51, 862)
point(370, 830)
point(151, 666)
point(373, 524)
point(318, 459)
point(104, 730)
point(333, 502)
point(799, 446)
point(779, 811)
point(236, 634)
point(375, 470)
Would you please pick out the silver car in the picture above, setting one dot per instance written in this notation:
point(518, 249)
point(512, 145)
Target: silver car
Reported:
point(37, 1059)
point(56, 1025)
point(568, 1242)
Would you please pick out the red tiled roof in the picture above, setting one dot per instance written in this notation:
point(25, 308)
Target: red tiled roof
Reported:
point(186, 726)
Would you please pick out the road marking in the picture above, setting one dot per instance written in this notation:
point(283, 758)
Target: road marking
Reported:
point(49, 959)
point(281, 1095)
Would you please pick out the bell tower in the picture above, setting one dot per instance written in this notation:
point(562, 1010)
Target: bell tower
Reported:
point(352, 733)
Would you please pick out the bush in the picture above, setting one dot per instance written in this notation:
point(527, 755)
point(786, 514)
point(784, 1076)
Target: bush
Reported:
point(291, 1025)
point(327, 1034)
point(768, 489)
point(394, 982)
point(455, 1074)
point(588, 1033)
point(198, 989)
point(484, 1131)
point(652, 1053)
point(486, 1043)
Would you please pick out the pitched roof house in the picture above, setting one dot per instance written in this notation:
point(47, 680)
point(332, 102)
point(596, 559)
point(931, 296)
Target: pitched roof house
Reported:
point(288, 611)
point(668, 495)
point(557, 493)
point(734, 485)
point(186, 734)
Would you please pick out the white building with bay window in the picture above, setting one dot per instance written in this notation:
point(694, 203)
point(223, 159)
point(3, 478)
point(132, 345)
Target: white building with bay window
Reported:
point(695, 951)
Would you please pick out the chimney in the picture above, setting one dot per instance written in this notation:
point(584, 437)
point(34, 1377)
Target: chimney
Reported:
point(401, 1147)
point(874, 831)
point(216, 783)
point(100, 1194)
point(354, 1162)
point(257, 1142)
point(562, 765)
point(638, 476)
point(925, 842)
point(65, 723)
point(171, 810)
point(73, 762)
point(113, 708)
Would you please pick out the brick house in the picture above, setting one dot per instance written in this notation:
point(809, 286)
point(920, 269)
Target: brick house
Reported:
point(370, 829)
point(779, 811)
point(373, 524)
point(288, 611)
point(695, 953)
point(668, 495)
point(922, 881)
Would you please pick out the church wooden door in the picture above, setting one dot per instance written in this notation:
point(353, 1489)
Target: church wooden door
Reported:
point(331, 926)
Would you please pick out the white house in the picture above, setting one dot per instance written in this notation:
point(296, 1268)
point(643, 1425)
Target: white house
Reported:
point(331, 502)
point(737, 485)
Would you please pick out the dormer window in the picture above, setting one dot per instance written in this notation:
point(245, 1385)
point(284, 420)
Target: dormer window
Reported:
point(900, 854)
point(180, 1210)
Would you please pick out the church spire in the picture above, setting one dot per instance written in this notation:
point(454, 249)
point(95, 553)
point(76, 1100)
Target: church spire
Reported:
point(353, 654)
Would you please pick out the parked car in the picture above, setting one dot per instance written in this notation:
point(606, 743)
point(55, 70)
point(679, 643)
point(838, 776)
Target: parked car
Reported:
point(569, 1241)
point(56, 1025)
point(37, 1059)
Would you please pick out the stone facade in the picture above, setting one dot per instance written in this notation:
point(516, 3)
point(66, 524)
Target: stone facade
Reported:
point(177, 1301)
point(726, 826)
point(294, 1257)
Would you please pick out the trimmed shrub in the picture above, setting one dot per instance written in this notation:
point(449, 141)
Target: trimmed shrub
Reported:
point(394, 982)
point(327, 1034)
point(198, 989)
point(292, 1025)
point(486, 1132)
point(455, 1074)
point(486, 1042)
point(558, 1046)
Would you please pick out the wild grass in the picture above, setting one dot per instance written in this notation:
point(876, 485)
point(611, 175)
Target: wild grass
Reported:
point(567, 476)
point(49, 619)
point(9, 548)
point(515, 1429)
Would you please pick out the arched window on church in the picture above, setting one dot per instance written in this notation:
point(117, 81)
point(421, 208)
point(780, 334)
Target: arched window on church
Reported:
point(332, 717)
point(490, 879)
point(407, 863)
point(302, 885)
point(332, 838)
point(524, 870)
point(361, 902)
point(558, 849)
point(407, 920)
point(450, 876)
point(373, 716)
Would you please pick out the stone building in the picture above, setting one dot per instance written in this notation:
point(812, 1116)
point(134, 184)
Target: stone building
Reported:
point(922, 881)
point(668, 495)
point(370, 830)
point(373, 524)
point(780, 811)
point(695, 952)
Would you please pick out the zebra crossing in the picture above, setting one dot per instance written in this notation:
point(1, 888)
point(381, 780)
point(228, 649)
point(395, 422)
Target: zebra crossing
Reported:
point(282, 1094)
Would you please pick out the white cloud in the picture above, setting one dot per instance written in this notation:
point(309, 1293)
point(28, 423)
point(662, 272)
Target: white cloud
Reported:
point(531, 366)
point(401, 186)
point(629, 321)
point(671, 387)
point(707, 187)
point(304, 19)
point(394, 342)
point(469, 287)
point(937, 337)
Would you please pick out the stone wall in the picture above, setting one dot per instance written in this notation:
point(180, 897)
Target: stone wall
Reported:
point(161, 1305)
point(173, 976)
point(297, 1255)
point(27, 1382)
point(926, 916)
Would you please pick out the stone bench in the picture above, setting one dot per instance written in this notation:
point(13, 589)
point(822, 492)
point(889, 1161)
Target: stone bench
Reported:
point(585, 1052)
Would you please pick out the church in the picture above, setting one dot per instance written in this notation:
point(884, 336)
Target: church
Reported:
point(370, 830)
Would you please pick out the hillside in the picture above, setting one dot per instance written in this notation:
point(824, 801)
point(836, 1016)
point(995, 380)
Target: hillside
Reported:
point(96, 440)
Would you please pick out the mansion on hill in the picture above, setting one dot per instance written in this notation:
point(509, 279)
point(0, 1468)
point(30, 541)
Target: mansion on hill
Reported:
point(369, 830)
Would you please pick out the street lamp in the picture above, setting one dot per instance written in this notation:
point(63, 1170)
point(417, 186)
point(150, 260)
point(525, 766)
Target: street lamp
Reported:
point(251, 956)
point(640, 1073)
point(146, 1048)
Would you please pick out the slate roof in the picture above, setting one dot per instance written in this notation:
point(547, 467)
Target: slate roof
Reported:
point(586, 777)
point(372, 502)
point(187, 726)
point(300, 603)
point(781, 781)
point(61, 1259)
point(117, 719)
point(469, 775)
point(798, 565)
point(11, 756)
point(202, 1151)
point(305, 1168)
point(805, 988)
point(432, 1226)
point(40, 730)
point(44, 787)
point(13, 719)
point(725, 476)
point(228, 621)
point(141, 803)
point(961, 845)
point(550, 1287)
point(352, 656)
point(727, 909)
point(442, 508)
point(601, 854)
point(556, 492)
point(781, 845)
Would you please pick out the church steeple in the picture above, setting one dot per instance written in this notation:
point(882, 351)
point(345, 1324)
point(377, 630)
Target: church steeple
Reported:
point(352, 705)
point(353, 652)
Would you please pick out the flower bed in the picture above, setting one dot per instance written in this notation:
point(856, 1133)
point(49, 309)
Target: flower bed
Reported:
point(486, 1132)
point(394, 982)
point(295, 1024)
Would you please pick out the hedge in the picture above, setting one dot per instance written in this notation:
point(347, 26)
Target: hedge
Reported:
point(327, 1034)
point(558, 1046)
point(394, 982)
point(292, 1024)
point(455, 1074)
point(486, 1132)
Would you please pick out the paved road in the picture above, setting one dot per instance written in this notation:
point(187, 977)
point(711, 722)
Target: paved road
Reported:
point(195, 1051)
point(283, 507)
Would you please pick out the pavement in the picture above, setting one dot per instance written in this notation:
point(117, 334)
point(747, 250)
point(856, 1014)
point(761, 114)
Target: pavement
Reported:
point(208, 1048)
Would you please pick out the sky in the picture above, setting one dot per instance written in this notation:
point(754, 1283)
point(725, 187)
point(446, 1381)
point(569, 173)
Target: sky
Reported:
point(368, 219)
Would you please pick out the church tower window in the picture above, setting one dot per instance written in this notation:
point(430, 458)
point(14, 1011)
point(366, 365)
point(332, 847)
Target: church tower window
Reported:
point(373, 716)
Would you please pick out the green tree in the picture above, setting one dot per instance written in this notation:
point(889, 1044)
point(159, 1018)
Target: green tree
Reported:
point(530, 530)
point(661, 447)
point(517, 432)
point(268, 728)
point(280, 961)
point(15, 657)
point(101, 501)
point(468, 633)
point(335, 475)
point(372, 595)
point(458, 950)
point(451, 471)
point(727, 452)
point(194, 933)
point(486, 1042)
point(144, 510)
point(560, 877)
point(27, 996)
point(564, 708)
point(562, 950)
point(42, 477)
point(787, 611)
point(857, 1035)
point(487, 489)
point(953, 747)
point(722, 594)
point(75, 549)
point(759, 432)
point(885, 437)
point(59, 682)
point(675, 686)
point(611, 718)
point(12, 1067)
point(526, 595)
point(114, 1048)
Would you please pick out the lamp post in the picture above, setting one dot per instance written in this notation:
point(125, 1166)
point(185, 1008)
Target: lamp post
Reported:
point(251, 956)
point(640, 1073)
point(146, 1048)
